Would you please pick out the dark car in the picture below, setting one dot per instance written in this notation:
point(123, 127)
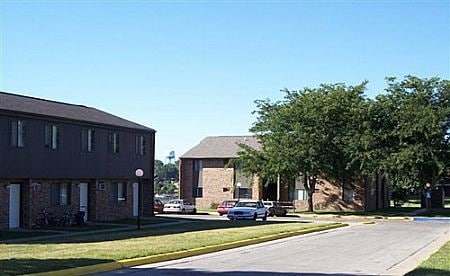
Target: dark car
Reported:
point(275, 209)
point(223, 208)
point(158, 206)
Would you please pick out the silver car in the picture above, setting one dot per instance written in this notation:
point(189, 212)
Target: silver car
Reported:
point(248, 209)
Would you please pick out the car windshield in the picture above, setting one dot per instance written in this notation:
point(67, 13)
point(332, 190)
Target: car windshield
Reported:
point(175, 201)
point(246, 204)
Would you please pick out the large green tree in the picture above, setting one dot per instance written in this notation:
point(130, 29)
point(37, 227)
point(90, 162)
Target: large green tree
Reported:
point(411, 123)
point(313, 132)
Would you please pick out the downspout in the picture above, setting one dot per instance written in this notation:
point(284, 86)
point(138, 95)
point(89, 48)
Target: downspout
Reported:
point(278, 187)
point(152, 174)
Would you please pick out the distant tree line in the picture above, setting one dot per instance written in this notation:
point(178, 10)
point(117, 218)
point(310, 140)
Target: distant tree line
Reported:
point(336, 131)
point(167, 176)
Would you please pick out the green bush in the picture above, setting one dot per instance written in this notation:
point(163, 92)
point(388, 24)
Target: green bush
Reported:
point(214, 205)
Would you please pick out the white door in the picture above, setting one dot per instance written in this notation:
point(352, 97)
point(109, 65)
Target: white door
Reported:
point(135, 199)
point(14, 205)
point(84, 199)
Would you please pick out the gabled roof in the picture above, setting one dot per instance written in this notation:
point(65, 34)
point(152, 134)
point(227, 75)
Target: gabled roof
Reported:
point(220, 147)
point(41, 107)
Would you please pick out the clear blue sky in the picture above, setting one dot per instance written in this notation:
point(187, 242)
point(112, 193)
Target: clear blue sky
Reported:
point(191, 69)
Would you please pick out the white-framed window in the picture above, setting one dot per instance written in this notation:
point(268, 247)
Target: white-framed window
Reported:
point(121, 191)
point(18, 133)
point(140, 145)
point(88, 140)
point(302, 194)
point(113, 142)
point(51, 136)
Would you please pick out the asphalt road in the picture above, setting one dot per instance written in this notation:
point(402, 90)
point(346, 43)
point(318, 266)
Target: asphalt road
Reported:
point(383, 248)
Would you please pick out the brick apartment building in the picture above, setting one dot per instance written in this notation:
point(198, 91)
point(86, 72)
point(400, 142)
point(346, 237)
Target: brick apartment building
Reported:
point(64, 157)
point(207, 178)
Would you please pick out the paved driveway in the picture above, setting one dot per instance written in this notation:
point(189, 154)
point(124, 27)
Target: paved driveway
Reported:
point(384, 248)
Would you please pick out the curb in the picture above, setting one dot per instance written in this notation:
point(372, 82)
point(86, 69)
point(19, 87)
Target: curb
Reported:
point(354, 217)
point(183, 254)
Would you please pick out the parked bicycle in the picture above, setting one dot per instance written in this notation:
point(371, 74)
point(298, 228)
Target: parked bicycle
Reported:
point(45, 219)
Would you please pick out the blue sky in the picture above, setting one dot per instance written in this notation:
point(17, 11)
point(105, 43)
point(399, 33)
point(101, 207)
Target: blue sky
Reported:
point(191, 69)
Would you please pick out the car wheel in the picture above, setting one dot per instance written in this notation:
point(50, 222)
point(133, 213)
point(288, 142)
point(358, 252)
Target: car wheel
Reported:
point(194, 211)
point(265, 217)
point(183, 211)
point(255, 216)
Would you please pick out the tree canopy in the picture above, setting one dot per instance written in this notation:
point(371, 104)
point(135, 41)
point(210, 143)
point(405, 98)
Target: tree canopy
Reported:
point(334, 130)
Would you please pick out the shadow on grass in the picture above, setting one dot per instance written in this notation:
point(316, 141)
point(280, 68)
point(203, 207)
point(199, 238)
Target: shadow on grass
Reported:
point(13, 234)
point(184, 226)
point(27, 266)
point(428, 272)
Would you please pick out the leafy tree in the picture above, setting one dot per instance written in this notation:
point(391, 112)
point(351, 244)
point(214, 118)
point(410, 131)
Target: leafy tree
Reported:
point(311, 133)
point(412, 123)
point(167, 174)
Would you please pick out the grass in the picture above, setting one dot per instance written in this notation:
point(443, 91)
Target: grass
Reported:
point(62, 253)
point(8, 235)
point(437, 264)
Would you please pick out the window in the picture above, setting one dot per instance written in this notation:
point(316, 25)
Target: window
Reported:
point(120, 191)
point(51, 136)
point(18, 134)
point(60, 194)
point(197, 187)
point(302, 194)
point(88, 140)
point(140, 145)
point(348, 193)
point(113, 142)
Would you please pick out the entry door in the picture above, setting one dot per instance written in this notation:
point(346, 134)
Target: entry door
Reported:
point(135, 199)
point(84, 199)
point(14, 205)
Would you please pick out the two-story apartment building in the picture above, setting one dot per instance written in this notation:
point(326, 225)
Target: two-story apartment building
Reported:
point(207, 178)
point(62, 157)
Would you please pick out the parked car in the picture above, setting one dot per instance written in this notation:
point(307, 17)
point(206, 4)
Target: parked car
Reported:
point(248, 209)
point(275, 209)
point(179, 206)
point(223, 208)
point(158, 206)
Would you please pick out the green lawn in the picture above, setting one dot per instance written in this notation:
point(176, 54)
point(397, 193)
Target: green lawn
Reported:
point(61, 253)
point(437, 264)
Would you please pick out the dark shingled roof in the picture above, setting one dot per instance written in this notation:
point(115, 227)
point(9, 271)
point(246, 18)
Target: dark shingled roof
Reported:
point(41, 107)
point(220, 147)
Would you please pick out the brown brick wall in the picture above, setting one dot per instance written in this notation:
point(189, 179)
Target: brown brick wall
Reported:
point(4, 205)
point(328, 196)
point(36, 196)
point(217, 186)
point(186, 179)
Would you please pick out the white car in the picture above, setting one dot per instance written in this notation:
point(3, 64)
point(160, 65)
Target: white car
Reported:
point(248, 209)
point(179, 206)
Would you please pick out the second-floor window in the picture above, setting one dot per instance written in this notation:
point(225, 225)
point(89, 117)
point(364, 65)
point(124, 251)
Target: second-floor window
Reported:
point(51, 136)
point(113, 142)
point(88, 140)
point(18, 133)
point(140, 145)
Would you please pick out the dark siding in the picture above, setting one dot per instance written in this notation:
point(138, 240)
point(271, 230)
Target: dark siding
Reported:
point(68, 161)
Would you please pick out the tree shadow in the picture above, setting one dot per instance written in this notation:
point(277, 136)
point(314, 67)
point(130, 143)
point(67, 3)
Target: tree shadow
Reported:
point(185, 226)
point(427, 271)
point(27, 266)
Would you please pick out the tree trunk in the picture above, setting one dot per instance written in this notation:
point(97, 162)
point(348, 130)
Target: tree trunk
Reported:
point(310, 183)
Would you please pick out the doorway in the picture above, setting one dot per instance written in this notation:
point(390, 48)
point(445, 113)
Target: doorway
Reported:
point(84, 200)
point(14, 205)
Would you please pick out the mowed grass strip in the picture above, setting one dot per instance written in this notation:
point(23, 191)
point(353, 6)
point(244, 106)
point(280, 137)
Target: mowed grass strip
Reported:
point(55, 254)
point(437, 264)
